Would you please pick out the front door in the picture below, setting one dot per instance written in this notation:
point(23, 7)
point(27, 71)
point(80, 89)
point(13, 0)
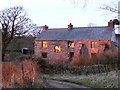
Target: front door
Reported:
point(84, 50)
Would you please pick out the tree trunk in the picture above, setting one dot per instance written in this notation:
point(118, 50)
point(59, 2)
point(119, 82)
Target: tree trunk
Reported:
point(3, 51)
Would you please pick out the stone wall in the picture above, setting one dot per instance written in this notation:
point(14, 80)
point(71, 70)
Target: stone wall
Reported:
point(63, 55)
point(51, 54)
point(19, 73)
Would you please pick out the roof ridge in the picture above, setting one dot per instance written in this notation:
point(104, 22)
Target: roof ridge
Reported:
point(56, 28)
point(91, 27)
point(77, 27)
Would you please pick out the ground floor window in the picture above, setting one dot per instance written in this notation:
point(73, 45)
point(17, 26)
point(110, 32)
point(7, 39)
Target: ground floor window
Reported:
point(70, 55)
point(44, 55)
point(93, 55)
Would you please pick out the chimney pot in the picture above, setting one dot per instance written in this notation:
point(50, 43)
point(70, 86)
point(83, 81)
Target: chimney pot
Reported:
point(45, 27)
point(70, 27)
point(110, 24)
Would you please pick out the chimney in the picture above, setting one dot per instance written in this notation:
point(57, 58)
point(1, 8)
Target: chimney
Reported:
point(110, 24)
point(45, 28)
point(70, 27)
point(116, 24)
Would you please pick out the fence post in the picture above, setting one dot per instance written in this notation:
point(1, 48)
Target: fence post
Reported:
point(106, 69)
point(22, 67)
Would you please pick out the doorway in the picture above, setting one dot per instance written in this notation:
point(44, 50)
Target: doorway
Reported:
point(84, 50)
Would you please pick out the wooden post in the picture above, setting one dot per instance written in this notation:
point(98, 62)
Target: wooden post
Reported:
point(22, 67)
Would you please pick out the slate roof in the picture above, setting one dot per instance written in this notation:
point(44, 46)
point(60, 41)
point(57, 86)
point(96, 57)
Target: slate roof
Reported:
point(77, 33)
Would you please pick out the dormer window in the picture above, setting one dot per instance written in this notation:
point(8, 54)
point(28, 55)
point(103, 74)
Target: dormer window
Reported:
point(93, 44)
point(70, 44)
point(44, 44)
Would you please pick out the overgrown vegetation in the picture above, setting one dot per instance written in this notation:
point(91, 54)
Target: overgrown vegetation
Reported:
point(98, 64)
point(29, 84)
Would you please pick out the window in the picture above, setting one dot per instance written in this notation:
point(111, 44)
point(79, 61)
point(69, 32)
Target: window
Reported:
point(57, 49)
point(71, 55)
point(44, 55)
point(70, 44)
point(93, 55)
point(44, 44)
point(93, 44)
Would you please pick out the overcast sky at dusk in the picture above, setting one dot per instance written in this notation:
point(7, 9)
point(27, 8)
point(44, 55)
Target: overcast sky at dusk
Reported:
point(59, 13)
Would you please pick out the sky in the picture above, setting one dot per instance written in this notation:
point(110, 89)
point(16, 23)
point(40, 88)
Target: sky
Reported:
point(59, 13)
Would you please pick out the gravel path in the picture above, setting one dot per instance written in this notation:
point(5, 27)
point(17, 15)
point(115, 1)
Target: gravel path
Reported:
point(63, 84)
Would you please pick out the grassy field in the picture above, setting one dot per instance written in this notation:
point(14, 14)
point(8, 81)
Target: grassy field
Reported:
point(102, 80)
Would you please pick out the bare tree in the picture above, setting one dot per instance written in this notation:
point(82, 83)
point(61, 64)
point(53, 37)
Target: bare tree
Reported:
point(83, 3)
point(91, 25)
point(13, 22)
point(111, 9)
point(36, 31)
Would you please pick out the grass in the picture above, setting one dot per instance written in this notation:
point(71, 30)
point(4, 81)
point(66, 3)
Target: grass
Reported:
point(102, 80)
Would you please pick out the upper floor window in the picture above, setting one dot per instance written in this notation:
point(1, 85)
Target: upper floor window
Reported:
point(57, 49)
point(70, 44)
point(44, 44)
point(93, 44)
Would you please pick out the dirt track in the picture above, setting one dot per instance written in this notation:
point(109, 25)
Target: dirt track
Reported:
point(63, 84)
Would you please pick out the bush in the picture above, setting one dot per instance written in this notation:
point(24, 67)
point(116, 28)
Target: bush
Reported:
point(41, 62)
point(81, 61)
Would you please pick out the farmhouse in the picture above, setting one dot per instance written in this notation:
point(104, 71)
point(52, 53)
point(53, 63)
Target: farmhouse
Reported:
point(72, 42)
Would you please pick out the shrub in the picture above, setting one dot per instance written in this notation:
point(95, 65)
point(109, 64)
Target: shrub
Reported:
point(81, 61)
point(41, 62)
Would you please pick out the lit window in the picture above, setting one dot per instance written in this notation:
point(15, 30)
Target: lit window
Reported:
point(70, 44)
point(57, 49)
point(93, 44)
point(45, 44)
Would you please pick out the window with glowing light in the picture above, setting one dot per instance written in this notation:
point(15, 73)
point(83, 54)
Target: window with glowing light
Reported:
point(70, 44)
point(44, 44)
point(57, 49)
point(93, 44)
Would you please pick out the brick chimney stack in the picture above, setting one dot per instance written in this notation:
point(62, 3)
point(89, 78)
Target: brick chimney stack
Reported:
point(70, 27)
point(45, 28)
point(116, 22)
point(110, 24)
